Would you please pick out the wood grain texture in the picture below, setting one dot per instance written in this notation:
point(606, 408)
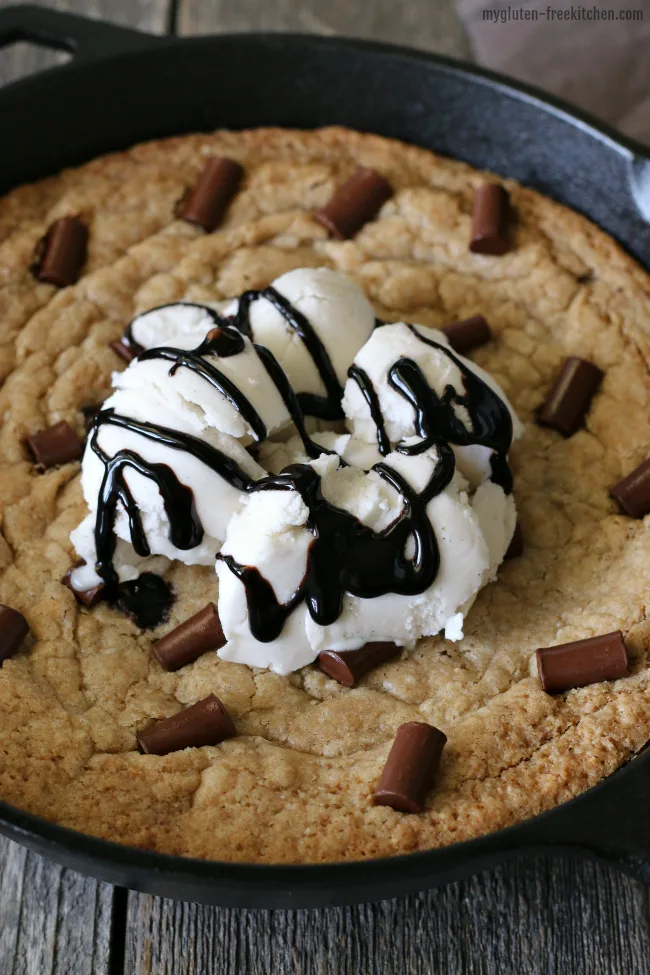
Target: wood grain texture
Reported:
point(540, 916)
point(429, 24)
point(552, 916)
point(52, 921)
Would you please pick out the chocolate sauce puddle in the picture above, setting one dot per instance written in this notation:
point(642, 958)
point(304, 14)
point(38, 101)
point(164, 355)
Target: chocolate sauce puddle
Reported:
point(326, 407)
point(146, 600)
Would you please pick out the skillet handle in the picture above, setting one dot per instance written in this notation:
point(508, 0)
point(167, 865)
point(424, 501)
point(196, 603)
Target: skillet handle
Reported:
point(640, 184)
point(82, 37)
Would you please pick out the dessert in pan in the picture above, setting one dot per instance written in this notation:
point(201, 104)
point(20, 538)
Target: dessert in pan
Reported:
point(323, 491)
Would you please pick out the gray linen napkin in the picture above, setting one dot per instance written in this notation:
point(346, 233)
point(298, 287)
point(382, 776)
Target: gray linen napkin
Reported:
point(602, 65)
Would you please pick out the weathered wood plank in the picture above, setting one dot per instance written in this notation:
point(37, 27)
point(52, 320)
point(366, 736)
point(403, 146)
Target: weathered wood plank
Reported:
point(419, 23)
point(52, 921)
point(542, 915)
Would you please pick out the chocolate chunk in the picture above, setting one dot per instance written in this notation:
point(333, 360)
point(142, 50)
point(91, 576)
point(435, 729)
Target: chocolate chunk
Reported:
point(348, 666)
point(355, 203)
point(64, 253)
point(189, 640)
point(490, 219)
point(205, 723)
point(206, 204)
point(89, 413)
point(583, 662)
point(568, 402)
point(87, 597)
point(55, 445)
point(468, 334)
point(410, 767)
point(633, 492)
point(13, 630)
point(516, 546)
point(126, 350)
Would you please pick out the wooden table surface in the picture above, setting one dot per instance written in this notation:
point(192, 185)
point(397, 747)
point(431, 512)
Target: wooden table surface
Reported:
point(535, 915)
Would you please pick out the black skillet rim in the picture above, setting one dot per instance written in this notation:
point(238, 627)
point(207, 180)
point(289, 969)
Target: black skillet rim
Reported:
point(421, 866)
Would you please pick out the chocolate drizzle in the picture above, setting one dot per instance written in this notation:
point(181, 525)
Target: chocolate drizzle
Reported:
point(369, 393)
point(225, 342)
point(286, 391)
point(326, 407)
point(128, 337)
point(185, 528)
point(346, 556)
point(436, 419)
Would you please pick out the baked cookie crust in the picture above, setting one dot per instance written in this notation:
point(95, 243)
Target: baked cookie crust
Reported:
point(297, 785)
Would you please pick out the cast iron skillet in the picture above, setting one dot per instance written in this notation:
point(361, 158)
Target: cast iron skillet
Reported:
point(123, 87)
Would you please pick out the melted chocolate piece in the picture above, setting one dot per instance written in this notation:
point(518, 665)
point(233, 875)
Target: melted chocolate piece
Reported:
point(490, 220)
point(583, 662)
point(206, 203)
point(190, 639)
point(126, 350)
point(346, 556)
point(568, 402)
point(205, 723)
point(55, 445)
point(468, 334)
point(87, 597)
point(369, 393)
point(633, 491)
point(89, 413)
point(64, 251)
point(146, 600)
point(326, 407)
point(349, 666)
point(354, 203)
point(410, 767)
point(13, 630)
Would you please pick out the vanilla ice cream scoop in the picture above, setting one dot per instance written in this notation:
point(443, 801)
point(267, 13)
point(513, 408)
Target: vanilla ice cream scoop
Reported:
point(314, 321)
point(327, 542)
point(331, 557)
point(407, 381)
point(166, 464)
point(182, 324)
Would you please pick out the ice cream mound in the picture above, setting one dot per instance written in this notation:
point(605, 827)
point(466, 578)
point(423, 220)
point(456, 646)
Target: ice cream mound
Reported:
point(324, 541)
